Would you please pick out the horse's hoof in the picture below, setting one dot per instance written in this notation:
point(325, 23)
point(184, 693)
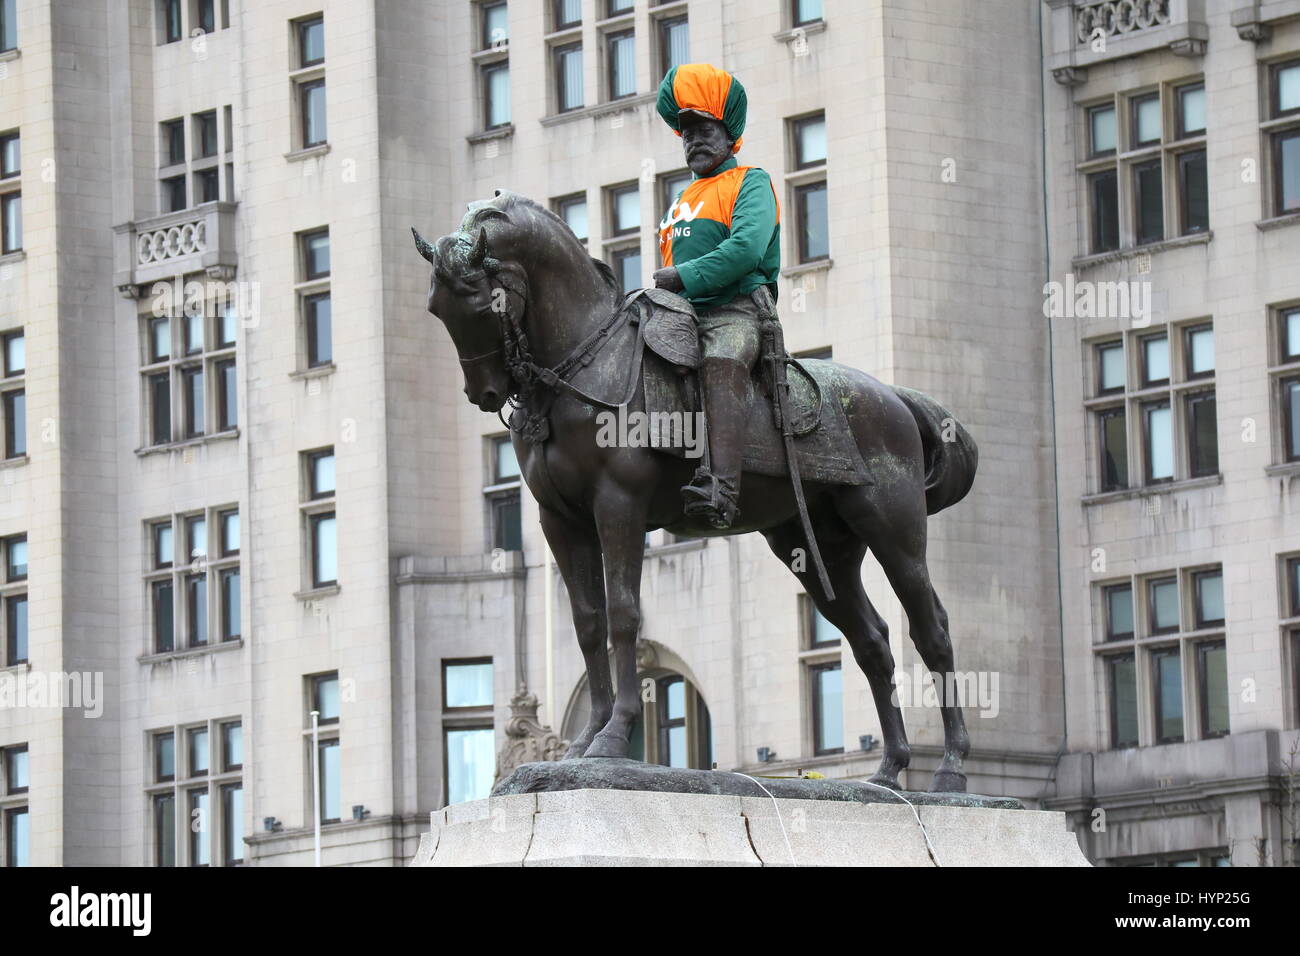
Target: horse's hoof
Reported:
point(884, 780)
point(604, 746)
point(948, 781)
point(577, 750)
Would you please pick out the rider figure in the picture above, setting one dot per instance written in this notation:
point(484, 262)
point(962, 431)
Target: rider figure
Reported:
point(721, 247)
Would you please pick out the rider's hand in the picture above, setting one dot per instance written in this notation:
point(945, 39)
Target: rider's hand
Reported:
point(668, 278)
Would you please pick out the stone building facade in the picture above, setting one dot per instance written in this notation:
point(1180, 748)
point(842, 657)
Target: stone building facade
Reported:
point(251, 487)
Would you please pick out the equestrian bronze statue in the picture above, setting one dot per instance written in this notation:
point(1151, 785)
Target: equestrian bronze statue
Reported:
point(539, 323)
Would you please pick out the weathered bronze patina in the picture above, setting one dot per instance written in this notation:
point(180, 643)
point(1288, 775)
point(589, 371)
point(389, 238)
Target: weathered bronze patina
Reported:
point(540, 324)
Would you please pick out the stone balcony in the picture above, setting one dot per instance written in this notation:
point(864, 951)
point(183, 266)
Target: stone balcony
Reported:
point(1085, 33)
point(198, 239)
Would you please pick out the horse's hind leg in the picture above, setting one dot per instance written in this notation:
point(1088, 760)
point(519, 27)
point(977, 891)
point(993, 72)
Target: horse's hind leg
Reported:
point(896, 533)
point(852, 613)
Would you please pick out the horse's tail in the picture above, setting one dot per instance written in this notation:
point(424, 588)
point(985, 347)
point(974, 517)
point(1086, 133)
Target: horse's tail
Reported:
point(951, 455)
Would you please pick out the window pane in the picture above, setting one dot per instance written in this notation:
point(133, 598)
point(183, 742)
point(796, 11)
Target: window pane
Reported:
point(469, 685)
point(16, 628)
point(16, 770)
point(675, 700)
point(1288, 88)
point(676, 40)
point(813, 224)
point(824, 632)
point(1213, 664)
point(569, 77)
point(160, 402)
point(568, 12)
point(316, 255)
point(192, 379)
point(17, 838)
point(1209, 598)
point(810, 141)
point(1104, 197)
point(160, 339)
point(1194, 189)
point(311, 40)
point(10, 156)
point(164, 756)
point(1191, 103)
point(200, 825)
point(496, 29)
point(227, 396)
point(1160, 443)
point(1200, 351)
point(17, 558)
point(498, 96)
point(1123, 702)
point(677, 755)
point(8, 25)
point(232, 822)
point(1146, 119)
point(1110, 367)
point(622, 65)
point(327, 698)
point(1114, 450)
point(232, 741)
point(806, 11)
point(1119, 611)
point(1102, 121)
point(229, 605)
point(507, 464)
point(1164, 605)
point(1291, 334)
point(1288, 171)
point(507, 524)
point(207, 16)
point(206, 127)
point(229, 532)
point(1203, 435)
point(227, 324)
point(15, 410)
point(326, 551)
point(313, 113)
point(196, 538)
point(322, 475)
point(1150, 202)
point(198, 752)
point(830, 709)
point(12, 208)
point(164, 815)
point(1291, 410)
point(627, 210)
point(331, 783)
point(1169, 695)
point(15, 354)
point(196, 601)
point(163, 617)
point(1155, 359)
point(574, 214)
point(320, 344)
point(470, 764)
point(629, 271)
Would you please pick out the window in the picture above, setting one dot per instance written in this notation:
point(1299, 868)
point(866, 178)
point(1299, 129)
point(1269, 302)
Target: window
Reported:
point(623, 214)
point(568, 77)
point(808, 139)
point(13, 395)
point(325, 697)
point(206, 15)
point(318, 512)
point(674, 43)
point(1145, 180)
point(210, 789)
point(468, 737)
point(615, 7)
point(206, 584)
point(505, 524)
point(811, 217)
point(818, 632)
point(8, 25)
point(232, 746)
point(205, 134)
point(494, 25)
point(496, 95)
point(1147, 651)
point(566, 13)
point(805, 12)
point(10, 155)
point(827, 708)
point(314, 298)
point(307, 80)
point(172, 29)
point(1174, 406)
point(1285, 373)
point(11, 222)
point(193, 177)
point(620, 62)
point(1283, 129)
point(189, 367)
point(15, 835)
point(573, 210)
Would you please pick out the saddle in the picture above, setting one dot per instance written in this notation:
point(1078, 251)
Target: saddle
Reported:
point(826, 450)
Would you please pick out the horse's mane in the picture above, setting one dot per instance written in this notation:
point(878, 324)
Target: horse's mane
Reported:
point(483, 211)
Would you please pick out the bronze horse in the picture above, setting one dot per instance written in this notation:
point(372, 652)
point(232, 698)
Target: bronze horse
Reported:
point(519, 294)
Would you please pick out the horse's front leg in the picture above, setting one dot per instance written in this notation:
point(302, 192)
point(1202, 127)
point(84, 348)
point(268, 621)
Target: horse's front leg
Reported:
point(620, 522)
point(577, 553)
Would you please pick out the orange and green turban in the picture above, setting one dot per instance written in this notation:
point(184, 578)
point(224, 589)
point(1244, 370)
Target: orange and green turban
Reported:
point(703, 88)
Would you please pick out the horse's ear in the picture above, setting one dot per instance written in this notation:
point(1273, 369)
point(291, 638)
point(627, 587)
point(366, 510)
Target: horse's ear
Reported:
point(479, 252)
point(422, 245)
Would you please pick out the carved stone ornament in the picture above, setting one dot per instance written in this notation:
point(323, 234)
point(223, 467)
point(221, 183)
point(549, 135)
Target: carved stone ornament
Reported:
point(527, 741)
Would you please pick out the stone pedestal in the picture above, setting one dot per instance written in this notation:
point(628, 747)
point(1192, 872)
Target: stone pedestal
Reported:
point(593, 827)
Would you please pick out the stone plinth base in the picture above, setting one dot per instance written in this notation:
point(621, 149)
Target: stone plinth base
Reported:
point(639, 828)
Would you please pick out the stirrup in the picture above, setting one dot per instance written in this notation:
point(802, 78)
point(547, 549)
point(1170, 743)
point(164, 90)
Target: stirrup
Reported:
point(706, 497)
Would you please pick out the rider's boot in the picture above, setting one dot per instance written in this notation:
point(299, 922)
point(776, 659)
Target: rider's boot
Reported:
point(714, 492)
